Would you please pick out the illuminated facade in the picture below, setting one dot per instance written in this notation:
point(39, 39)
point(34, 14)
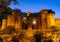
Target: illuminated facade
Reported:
point(31, 22)
point(41, 20)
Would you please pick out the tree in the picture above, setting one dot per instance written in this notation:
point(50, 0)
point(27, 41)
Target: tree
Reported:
point(7, 2)
point(4, 9)
point(4, 5)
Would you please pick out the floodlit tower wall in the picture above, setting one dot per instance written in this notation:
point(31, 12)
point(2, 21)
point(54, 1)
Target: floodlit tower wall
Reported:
point(43, 15)
point(17, 23)
point(57, 22)
point(4, 24)
point(17, 20)
point(10, 20)
point(50, 20)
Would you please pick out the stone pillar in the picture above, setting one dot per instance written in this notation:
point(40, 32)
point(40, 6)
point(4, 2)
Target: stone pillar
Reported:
point(4, 24)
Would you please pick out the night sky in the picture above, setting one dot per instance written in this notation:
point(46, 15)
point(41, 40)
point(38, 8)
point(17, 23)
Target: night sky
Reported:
point(37, 5)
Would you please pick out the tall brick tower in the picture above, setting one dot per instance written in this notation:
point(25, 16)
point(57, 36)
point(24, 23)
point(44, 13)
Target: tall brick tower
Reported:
point(10, 20)
point(43, 19)
point(46, 19)
point(17, 20)
point(14, 19)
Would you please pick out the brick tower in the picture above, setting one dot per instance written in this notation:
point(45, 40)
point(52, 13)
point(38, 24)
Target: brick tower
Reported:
point(50, 19)
point(43, 19)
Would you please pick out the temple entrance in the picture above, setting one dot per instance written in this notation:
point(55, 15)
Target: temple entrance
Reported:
point(38, 38)
point(1, 40)
point(15, 39)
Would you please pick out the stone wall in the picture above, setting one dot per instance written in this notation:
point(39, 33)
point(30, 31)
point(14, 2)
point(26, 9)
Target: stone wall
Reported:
point(57, 22)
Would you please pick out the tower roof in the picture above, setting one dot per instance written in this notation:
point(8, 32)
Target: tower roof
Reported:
point(47, 11)
point(50, 11)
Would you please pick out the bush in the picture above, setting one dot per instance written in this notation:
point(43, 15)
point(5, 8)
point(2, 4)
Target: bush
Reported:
point(15, 39)
point(1, 32)
point(55, 29)
point(39, 35)
point(9, 30)
point(5, 37)
point(21, 36)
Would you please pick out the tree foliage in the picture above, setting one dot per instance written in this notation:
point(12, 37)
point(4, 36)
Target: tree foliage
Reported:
point(4, 5)
point(4, 9)
point(21, 36)
point(15, 39)
point(9, 30)
point(55, 29)
point(7, 2)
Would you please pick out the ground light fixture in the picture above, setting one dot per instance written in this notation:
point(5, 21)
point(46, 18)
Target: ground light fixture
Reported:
point(34, 22)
